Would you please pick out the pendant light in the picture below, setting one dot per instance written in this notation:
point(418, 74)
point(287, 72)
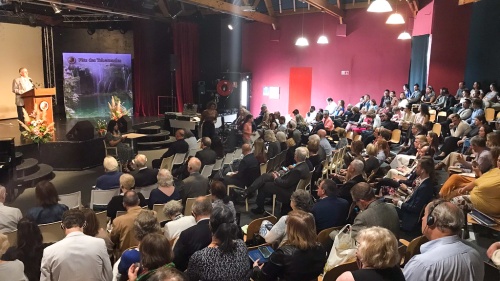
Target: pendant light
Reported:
point(323, 39)
point(404, 36)
point(302, 41)
point(380, 6)
point(395, 18)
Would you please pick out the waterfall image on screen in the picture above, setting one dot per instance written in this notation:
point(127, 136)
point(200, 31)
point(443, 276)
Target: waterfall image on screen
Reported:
point(91, 80)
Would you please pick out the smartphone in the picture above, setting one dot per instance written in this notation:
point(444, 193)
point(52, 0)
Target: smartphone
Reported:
point(265, 252)
point(284, 168)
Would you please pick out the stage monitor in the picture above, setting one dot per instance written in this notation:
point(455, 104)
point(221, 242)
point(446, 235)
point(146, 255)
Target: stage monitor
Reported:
point(92, 79)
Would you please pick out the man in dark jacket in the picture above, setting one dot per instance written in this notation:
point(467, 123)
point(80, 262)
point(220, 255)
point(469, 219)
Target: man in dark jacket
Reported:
point(143, 175)
point(355, 175)
point(178, 146)
point(329, 210)
point(206, 155)
point(195, 185)
point(248, 169)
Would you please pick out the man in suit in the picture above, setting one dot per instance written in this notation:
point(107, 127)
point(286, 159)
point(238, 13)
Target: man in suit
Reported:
point(283, 187)
point(143, 175)
point(329, 210)
point(248, 169)
point(373, 212)
point(195, 185)
point(8, 216)
point(111, 177)
point(21, 85)
point(178, 146)
point(77, 257)
point(123, 234)
point(206, 155)
point(355, 176)
point(196, 237)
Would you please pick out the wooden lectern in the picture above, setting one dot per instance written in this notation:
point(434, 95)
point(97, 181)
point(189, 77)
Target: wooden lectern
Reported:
point(43, 98)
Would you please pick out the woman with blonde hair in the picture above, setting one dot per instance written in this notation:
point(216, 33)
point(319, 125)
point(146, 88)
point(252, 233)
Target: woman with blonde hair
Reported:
point(10, 270)
point(302, 124)
point(281, 138)
point(383, 150)
point(259, 151)
point(300, 257)
point(377, 257)
point(273, 147)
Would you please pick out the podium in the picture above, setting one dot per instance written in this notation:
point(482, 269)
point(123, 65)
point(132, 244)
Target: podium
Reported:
point(43, 98)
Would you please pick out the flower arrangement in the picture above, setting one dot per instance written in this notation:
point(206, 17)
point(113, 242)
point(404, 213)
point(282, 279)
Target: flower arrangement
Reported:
point(36, 127)
point(101, 127)
point(116, 110)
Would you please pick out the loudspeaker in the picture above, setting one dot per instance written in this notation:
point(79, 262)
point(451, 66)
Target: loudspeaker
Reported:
point(342, 30)
point(124, 124)
point(173, 62)
point(7, 165)
point(82, 131)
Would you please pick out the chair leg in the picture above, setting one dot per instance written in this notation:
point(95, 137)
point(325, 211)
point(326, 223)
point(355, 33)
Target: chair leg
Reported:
point(274, 203)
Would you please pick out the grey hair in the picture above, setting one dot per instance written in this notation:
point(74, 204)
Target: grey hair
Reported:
point(172, 208)
point(292, 124)
point(362, 191)
point(110, 164)
point(326, 112)
point(314, 137)
point(281, 136)
point(165, 178)
point(269, 136)
point(447, 216)
point(202, 206)
point(302, 200)
point(358, 166)
point(301, 153)
point(146, 223)
point(140, 160)
point(478, 141)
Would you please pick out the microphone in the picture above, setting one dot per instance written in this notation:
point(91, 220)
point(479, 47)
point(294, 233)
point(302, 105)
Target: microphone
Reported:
point(31, 81)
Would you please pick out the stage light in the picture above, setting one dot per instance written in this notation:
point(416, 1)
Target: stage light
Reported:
point(55, 8)
point(404, 36)
point(302, 42)
point(380, 6)
point(230, 26)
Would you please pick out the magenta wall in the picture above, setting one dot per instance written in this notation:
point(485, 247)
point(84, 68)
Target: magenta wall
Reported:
point(423, 21)
point(371, 53)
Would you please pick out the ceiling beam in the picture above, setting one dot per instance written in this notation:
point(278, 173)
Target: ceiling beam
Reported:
point(291, 12)
point(269, 7)
point(229, 8)
point(463, 2)
point(413, 4)
point(327, 7)
point(163, 8)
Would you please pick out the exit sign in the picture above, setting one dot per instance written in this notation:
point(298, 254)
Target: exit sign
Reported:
point(344, 72)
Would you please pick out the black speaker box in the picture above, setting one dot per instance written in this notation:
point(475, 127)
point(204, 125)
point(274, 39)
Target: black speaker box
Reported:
point(82, 131)
point(124, 124)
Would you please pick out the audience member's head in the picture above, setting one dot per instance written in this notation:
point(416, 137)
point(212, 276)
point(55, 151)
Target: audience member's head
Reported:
point(328, 188)
point(188, 134)
point(246, 149)
point(155, 251)
point(168, 274)
point(92, 227)
point(219, 191)
point(206, 142)
point(442, 218)
point(314, 138)
point(146, 223)
point(385, 134)
point(3, 193)
point(202, 208)
point(194, 165)
point(73, 218)
point(127, 182)
point(356, 167)
point(165, 178)
point(301, 200)
point(110, 164)
point(301, 154)
point(301, 230)
point(179, 134)
point(140, 160)
point(281, 136)
point(269, 136)
point(223, 228)
point(493, 139)
point(172, 209)
point(371, 150)
point(130, 199)
point(29, 236)
point(292, 125)
point(377, 248)
point(313, 146)
point(362, 194)
point(321, 133)
point(46, 193)
point(357, 147)
point(341, 132)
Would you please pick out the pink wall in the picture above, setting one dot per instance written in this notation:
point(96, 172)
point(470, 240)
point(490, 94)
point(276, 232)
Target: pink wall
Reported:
point(450, 35)
point(423, 21)
point(371, 53)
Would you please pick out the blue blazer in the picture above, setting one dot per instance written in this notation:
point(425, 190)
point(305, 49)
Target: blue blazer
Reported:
point(329, 212)
point(411, 209)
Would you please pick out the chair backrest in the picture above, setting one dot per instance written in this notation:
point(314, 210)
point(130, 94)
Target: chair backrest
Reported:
point(396, 136)
point(51, 232)
point(102, 218)
point(436, 128)
point(263, 167)
point(158, 208)
point(72, 200)
point(218, 164)
point(192, 152)
point(189, 205)
point(335, 272)
point(146, 190)
point(349, 135)
point(271, 164)
point(237, 153)
point(178, 159)
point(102, 197)
point(414, 248)
point(166, 163)
point(12, 237)
point(324, 235)
point(283, 156)
point(254, 226)
point(401, 252)
point(110, 150)
point(207, 170)
point(489, 114)
point(120, 213)
point(228, 159)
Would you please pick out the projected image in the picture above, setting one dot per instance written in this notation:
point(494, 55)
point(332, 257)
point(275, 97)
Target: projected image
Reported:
point(91, 80)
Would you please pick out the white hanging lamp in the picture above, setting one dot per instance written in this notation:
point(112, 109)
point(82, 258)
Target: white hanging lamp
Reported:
point(395, 18)
point(323, 39)
point(302, 41)
point(404, 36)
point(380, 6)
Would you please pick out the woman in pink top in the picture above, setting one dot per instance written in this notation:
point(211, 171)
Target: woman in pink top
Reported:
point(247, 128)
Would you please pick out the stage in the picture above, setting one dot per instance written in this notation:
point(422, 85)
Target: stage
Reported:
point(62, 154)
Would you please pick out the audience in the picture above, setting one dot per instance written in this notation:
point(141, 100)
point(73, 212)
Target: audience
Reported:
point(220, 198)
point(206, 155)
point(10, 270)
point(93, 229)
point(329, 210)
point(168, 274)
point(165, 192)
point(178, 146)
point(191, 140)
point(353, 176)
point(123, 234)
point(195, 185)
point(114, 138)
point(127, 183)
point(9, 216)
point(248, 169)
point(143, 175)
point(324, 143)
point(156, 253)
point(78, 257)
point(111, 177)
point(273, 148)
point(178, 222)
point(49, 210)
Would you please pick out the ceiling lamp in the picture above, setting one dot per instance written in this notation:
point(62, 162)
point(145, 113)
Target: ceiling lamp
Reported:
point(380, 6)
point(230, 26)
point(56, 9)
point(323, 39)
point(404, 36)
point(302, 41)
point(395, 18)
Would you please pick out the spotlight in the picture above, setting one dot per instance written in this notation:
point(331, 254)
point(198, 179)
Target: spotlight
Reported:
point(230, 26)
point(55, 8)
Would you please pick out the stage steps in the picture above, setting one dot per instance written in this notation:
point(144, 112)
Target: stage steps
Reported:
point(29, 171)
point(28, 166)
point(155, 138)
point(44, 172)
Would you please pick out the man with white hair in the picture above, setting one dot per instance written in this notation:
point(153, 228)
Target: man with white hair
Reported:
point(143, 175)
point(8, 216)
point(282, 186)
point(195, 185)
point(111, 178)
point(354, 176)
point(445, 256)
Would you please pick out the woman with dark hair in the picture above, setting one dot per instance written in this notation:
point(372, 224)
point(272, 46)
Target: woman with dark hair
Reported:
point(423, 116)
point(300, 257)
point(319, 124)
point(407, 91)
point(49, 210)
point(156, 253)
point(219, 197)
point(247, 128)
point(208, 119)
point(225, 259)
point(29, 248)
point(95, 230)
point(433, 141)
point(339, 111)
point(114, 138)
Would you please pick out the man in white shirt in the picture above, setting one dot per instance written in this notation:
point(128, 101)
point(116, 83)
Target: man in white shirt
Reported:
point(21, 85)
point(311, 115)
point(78, 257)
point(331, 105)
point(8, 216)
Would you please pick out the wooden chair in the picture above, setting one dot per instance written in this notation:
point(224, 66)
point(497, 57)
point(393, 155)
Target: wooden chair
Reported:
point(401, 252)
point(324, 236)
point(51, 232)
point(436, 128)
point(396, 136)
point(441, 117)
point(489, 114)
point(335, 272)
point(412, 248)
point(72, 200)
point(158, 208)
point(263, 167)
point(12, 237)
point(166, 163)
point(254, 226)
point(102, 197)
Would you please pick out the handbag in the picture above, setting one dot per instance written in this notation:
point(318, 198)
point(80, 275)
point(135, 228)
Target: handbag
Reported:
point(343, 249)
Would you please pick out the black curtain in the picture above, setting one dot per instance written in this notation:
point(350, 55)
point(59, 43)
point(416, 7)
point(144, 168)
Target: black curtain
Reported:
point(418, 64)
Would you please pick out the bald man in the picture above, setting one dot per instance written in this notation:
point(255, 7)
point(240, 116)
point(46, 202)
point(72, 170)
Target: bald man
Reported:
point(248, 169)
point(324, 143)
point(143, 175)
point(195, 185)
point(178, 146)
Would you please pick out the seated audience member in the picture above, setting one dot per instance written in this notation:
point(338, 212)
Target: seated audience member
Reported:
point(377, 256)
point(93, 229)
point(373, 212)
point(77, 257)
point(314, 157)
point(300, 258)
point(480, 128)
point(116, 203)
point(166, 191)
point(9, 216)
point(300, 200)
point(248, 169)
point(281, 138)
point(29, 250)
point(484, 195)
point(178, 146)
point(477, 110)
point(196, 237)
point(273, 148)
point(281, 124)
point(123, 234)
point(405, 172)
point(219, 197)
point(342, 139)
point(206, 155)
point(168, 274)
point(311, 115)
point(302, 125)
point(327, 121)
point(290, 152)
point(195, 185)
point(355, 153)
point(191, 140)
point(111, 177)
point(143, 175)
point(282, 186)
point(445, 256)
point(408, 147)
point(259, 151)
point(433, 141)
point(293, 132)
point(410, 207)
point(325, 144)
point(226, 257)
point(458, 130)
point(156, 252)
point(247, 128)
point(353, 176)
point(13, 269)
point(178, 222)
point(383, 150)
point(145, 223)
point(329, 210)
point(49, 210)
point(371, 162)
point(318, 125)
point(321, 151)
point(491, 98)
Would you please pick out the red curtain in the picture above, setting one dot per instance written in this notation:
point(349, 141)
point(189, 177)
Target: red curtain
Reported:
point(186, 50)
point(152, 46)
